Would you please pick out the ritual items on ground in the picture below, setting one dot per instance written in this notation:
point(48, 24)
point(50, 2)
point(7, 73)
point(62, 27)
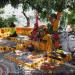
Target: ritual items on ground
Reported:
point(42, 50)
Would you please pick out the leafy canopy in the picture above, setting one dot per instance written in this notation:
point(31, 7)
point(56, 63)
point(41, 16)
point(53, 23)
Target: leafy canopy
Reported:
point(42, 6)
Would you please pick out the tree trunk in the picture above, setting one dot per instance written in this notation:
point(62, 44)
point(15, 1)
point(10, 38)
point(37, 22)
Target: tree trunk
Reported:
point(27, 18)
point(36, 17)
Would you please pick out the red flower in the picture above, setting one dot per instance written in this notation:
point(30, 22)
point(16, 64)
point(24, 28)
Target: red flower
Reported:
point(55, 36)
point(57, 44)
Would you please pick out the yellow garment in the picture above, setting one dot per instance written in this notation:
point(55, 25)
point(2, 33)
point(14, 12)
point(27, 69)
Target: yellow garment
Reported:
point(49, 42)
point(59, 51)
point(55, 26)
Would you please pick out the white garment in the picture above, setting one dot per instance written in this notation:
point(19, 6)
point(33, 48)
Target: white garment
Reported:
point(68, 28)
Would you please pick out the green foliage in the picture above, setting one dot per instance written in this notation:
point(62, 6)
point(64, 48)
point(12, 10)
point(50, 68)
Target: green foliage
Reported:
point(7, 22)
point(3, 3)
point(49, 28)
point(46, 6)
point(11, 19)
point(2, 23)
point(43, 15)
point(73, 21)
point(42, 6)
point(71, 18)
point(1, 11)
point(15, 3)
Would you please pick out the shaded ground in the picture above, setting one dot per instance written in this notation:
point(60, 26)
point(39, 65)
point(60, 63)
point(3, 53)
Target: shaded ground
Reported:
point(7, 67)
point(68, 44)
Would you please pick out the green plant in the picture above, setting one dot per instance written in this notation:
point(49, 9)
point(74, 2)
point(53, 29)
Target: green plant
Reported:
point(49, 28)
point(2, 23)
point(7, 22)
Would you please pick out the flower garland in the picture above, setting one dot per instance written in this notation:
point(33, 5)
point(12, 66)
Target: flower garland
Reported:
point(38, 33)
point(56, 42)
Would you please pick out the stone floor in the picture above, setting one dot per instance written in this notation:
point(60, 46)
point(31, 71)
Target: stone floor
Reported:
point(10, 68)
point(7, 67)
